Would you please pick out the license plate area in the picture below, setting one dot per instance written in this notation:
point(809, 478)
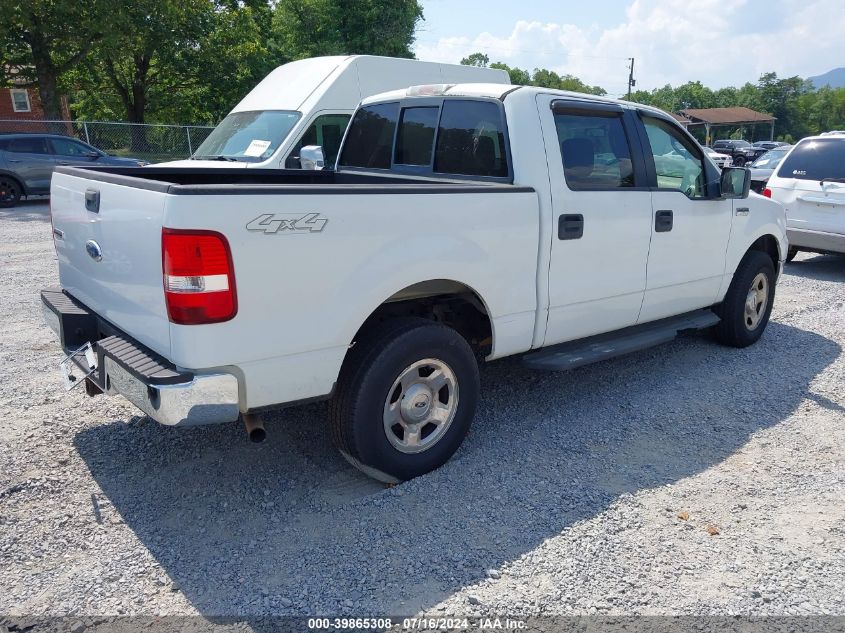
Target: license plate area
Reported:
point(78, 365)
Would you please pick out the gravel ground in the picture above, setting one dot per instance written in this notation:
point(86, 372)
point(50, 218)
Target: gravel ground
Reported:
point(688, 479)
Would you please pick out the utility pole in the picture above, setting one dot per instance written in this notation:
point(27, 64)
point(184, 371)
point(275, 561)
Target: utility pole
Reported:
point(631, 81)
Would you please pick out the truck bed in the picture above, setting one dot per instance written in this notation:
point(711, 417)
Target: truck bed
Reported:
point(314, 254)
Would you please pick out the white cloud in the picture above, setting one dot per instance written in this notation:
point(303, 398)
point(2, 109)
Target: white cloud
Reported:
point(719, 42)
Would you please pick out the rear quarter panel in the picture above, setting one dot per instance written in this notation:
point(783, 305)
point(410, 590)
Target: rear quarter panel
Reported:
point(302, 295)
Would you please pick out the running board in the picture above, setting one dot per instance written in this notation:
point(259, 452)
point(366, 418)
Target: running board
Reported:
point(631, 339)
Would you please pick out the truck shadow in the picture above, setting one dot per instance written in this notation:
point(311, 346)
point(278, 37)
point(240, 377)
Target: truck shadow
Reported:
point(819, 267)
point(287, 527)
point(36, 209)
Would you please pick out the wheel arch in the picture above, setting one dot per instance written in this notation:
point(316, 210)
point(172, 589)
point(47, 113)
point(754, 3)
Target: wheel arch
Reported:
point(768, 244)
point(454, 303)
point(9, 174)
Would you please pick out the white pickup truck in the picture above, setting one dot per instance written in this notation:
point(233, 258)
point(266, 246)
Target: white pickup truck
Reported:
point(462, 223)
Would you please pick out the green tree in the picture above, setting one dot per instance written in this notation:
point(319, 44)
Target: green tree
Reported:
point(476, 59)
point(518, 77)
point(42, 40)
point(154, 60)
point(540, 77)
point(309, 28)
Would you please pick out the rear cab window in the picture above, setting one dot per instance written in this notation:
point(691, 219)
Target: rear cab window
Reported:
point(454, 137)
point(815, 159)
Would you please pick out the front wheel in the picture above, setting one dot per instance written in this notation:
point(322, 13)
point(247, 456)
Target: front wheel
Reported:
point(739, 161)
point(748, 303)
point(405, 399)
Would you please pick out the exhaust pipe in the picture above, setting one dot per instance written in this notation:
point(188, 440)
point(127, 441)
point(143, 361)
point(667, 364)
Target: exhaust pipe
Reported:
point(254, 428)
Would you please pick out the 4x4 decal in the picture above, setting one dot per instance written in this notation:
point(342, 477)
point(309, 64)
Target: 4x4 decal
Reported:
point(287, 223)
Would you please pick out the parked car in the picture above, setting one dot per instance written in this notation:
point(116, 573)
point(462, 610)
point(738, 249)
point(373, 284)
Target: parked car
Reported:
point(741, 152)
point(463, 222)
point(309, 102)
point(833, 133)
point(810, 184)
point(767, 145)
point(27, 161)
point(762, 168)
point(721, 160)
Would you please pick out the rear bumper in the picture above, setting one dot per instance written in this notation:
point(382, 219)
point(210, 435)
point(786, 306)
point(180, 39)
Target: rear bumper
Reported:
point(816, 240)
point(167, 394)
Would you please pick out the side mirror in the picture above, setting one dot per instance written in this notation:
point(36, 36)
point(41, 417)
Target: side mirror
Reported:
point(735, 182)
point(311, 157)
point(93, 155)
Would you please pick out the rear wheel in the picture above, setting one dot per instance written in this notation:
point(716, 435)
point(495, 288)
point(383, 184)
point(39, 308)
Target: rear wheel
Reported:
point(406, 397)
point(10, 192)
point(748, 303)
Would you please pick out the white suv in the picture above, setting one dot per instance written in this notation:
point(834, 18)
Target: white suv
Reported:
point(810, 184)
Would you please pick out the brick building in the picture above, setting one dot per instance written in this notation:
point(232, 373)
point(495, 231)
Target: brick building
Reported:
point(20, 103)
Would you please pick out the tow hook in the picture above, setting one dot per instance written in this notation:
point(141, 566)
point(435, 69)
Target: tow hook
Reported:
point(254, 428)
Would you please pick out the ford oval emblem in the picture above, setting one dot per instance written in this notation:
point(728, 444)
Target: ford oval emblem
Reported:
point(94, 250)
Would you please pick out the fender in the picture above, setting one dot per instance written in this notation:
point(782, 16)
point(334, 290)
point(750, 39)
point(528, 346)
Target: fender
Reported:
point(765, 217)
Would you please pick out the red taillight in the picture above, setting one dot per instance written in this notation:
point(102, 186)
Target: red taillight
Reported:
point(199, 279)
point(767, 192)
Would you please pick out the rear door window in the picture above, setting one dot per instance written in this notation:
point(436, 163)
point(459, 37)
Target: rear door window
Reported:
point(369, 141)
point(32, 145)
point(815, 160)
point(471, 140)
point(595, 150)
point(415, 140)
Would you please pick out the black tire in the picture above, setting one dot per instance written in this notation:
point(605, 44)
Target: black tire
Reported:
point(368, 376)
point(791, 253)
point(739, 161)
point(735, 329)
point(10, 191)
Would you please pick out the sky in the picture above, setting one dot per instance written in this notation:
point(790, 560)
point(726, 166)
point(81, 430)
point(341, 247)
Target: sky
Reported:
point(718, 42)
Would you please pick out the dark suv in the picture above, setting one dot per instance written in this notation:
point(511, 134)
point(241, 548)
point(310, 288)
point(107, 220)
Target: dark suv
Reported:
point(27, 162)
point(741, 152)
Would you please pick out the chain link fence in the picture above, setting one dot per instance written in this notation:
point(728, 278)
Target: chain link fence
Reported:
point(150, 142)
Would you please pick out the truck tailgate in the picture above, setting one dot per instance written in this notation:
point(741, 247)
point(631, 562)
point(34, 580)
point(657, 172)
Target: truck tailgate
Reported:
point(110, 253)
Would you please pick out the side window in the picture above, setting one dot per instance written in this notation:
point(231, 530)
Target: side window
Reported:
point(32, 145)
point(370, 137)
point(595, 150)
point(677, 161)
point(471, 140)
point(415, 140)
point(68, 147)
point(326, 131)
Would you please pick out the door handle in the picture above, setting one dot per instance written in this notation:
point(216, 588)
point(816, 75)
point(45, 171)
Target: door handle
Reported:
point(663, 221)
point(63, 162)
point(14, 160)
point(570, 226)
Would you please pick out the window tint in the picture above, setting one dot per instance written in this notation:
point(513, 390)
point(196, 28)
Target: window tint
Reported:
point(595, 151)
point(370, 137)
point(816, 159)
point(68, 147)
point(471, 140)
point(32, 145)
point(677, 160)
point(327, 132)
point(416, 135)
